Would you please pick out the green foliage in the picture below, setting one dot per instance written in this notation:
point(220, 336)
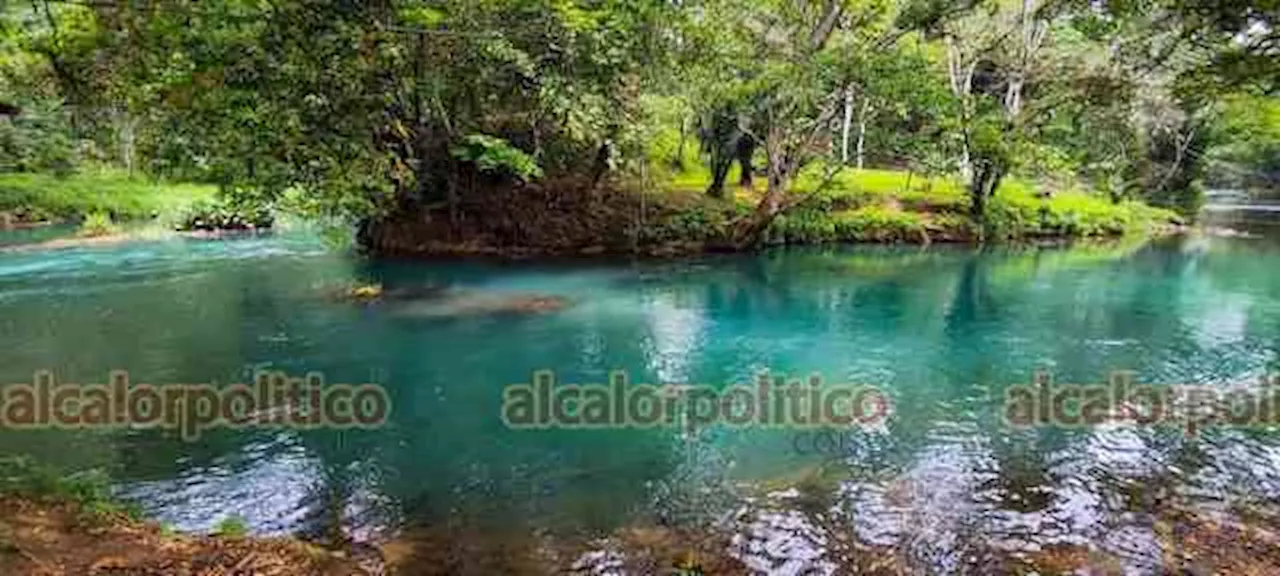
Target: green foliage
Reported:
point(695, 220)
point(232, 527)
point(348, 111)
point(1248, 155)
point(866, 224)
point(90, 489)
point(97, 224)
point(1017, 212)
point(45, 196)
point(495, 155)
point(38, 140)
point(224, 214)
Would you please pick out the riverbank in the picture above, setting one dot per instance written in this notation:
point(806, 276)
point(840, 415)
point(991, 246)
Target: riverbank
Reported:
point(49, 537)
point(555, 218)
point(54, 537)
point(27, 199)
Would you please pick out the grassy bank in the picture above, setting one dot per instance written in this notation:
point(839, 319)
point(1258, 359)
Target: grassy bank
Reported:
point(673, 215)
point(43, 197)
point(56, 524)
point(898, 206)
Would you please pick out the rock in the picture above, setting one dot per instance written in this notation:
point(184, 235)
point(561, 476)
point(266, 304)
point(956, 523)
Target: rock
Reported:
point(367, 291)
point(463, 305)
point(6, 220)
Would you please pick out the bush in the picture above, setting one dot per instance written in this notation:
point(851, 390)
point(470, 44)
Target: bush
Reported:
point(222, 215)
point(1016, 212)
point(97, 224)
point(868, 224)
point(495, 155)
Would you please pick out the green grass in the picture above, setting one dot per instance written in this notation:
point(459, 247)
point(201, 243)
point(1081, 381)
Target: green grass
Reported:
point(232, 527)
point(36, 197)
point(1018, 212)
point(891, 206)
point(90, 489)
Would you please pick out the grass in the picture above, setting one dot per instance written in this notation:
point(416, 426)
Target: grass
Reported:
point(91, 489)
point(232, 527)
point(889, 206)
point(38, 197)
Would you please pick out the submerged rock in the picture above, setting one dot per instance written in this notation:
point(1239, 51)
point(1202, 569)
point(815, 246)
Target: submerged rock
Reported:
point(474, 304)
point(374, 293)
point(437, 301)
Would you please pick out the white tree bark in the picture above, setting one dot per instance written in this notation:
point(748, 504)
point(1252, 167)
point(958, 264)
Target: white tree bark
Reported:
point(862, 130)
point(844, 130)
point(960, 74)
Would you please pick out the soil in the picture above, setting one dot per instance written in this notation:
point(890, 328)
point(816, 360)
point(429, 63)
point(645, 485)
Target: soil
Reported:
point(563, 217)
point(56, 539)
point(51, 538)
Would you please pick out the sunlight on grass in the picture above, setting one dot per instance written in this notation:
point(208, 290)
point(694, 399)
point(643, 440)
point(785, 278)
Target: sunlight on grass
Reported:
point(897, 206)
point(44, 196)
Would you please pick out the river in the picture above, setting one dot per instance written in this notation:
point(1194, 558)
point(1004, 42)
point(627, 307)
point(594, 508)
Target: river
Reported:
point(942, 331)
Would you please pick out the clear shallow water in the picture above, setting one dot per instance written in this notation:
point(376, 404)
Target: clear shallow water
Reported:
point(943, 330)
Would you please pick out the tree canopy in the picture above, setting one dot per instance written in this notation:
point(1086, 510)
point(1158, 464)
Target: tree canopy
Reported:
point(353, 109)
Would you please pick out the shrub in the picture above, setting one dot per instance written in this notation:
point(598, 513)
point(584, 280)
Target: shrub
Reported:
point(223, 215)
point(96, 224)
point(495, 155)
point(867, 224)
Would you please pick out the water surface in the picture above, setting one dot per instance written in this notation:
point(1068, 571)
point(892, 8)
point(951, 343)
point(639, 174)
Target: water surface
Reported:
point(943, 330)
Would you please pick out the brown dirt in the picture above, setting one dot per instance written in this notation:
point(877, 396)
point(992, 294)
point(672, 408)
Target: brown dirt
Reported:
point(556, 217)
point(56, 539)
point(45, 538)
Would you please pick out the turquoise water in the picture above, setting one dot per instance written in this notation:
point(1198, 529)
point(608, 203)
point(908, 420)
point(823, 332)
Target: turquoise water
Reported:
point(943, 331)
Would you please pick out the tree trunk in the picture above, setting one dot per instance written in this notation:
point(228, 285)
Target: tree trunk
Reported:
point(960, 76)
point(744, 150)
point(862, 130)
point(987, 175)
point(844, 125)
point(678, 161)
point(600, 166)
point(751, 231)
point(720, 164)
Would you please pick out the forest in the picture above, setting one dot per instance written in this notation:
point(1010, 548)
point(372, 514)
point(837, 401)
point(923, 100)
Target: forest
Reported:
point(643, 125)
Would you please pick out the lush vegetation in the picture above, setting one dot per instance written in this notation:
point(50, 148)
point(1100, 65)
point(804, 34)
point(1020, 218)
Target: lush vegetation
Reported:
point(826, 120)
point(90, 489)
point(44, 196)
